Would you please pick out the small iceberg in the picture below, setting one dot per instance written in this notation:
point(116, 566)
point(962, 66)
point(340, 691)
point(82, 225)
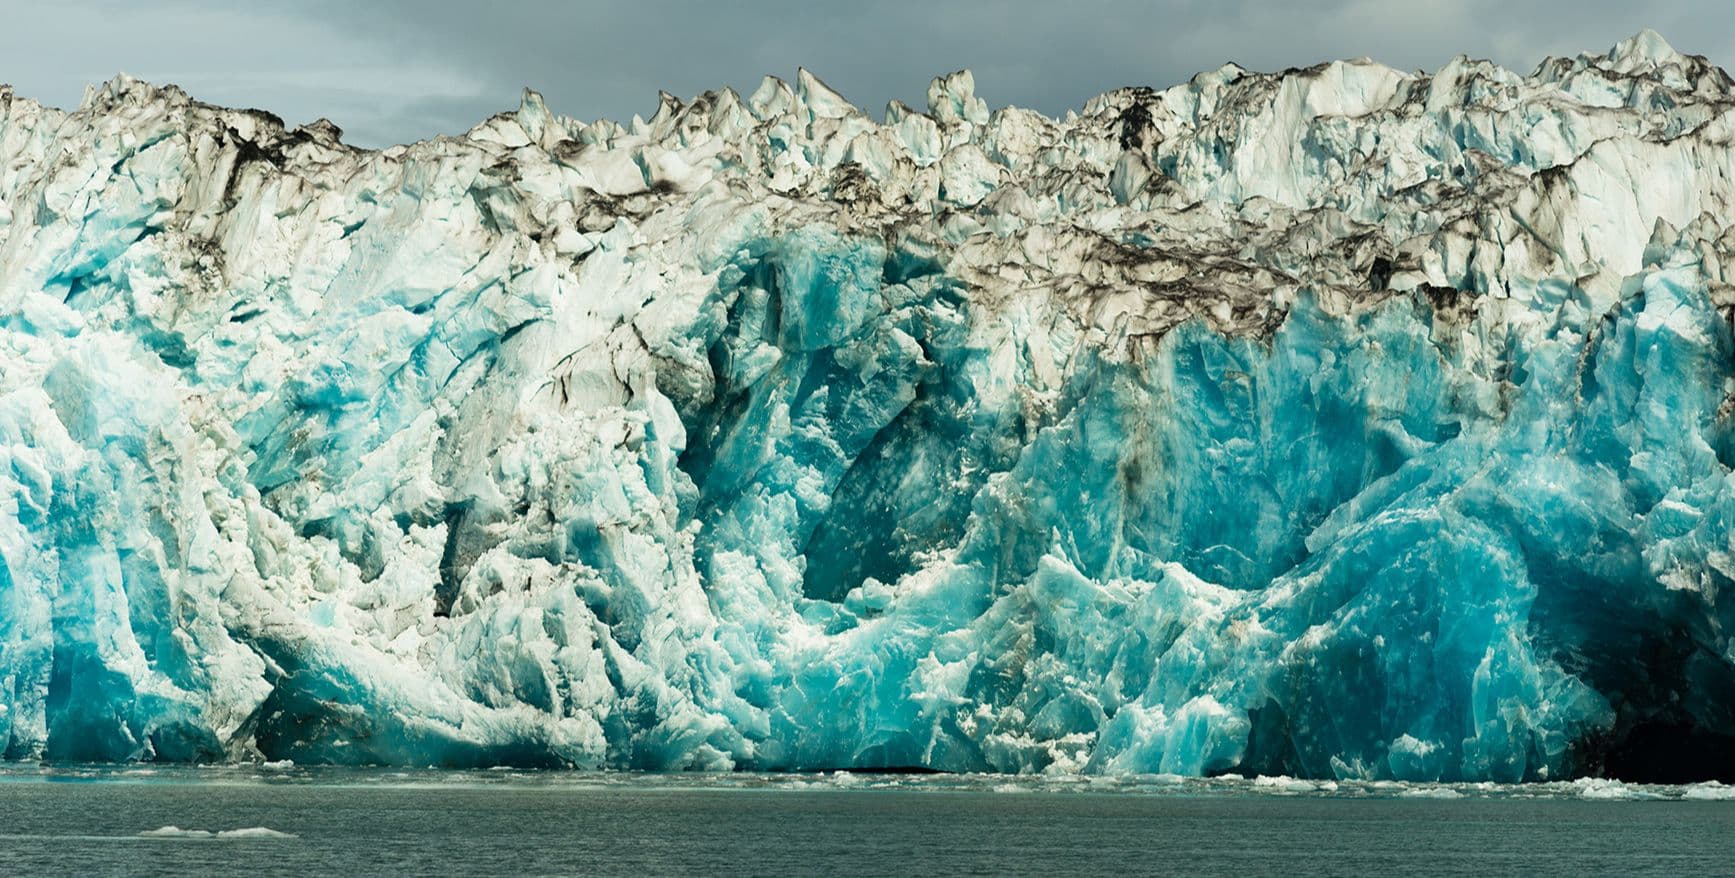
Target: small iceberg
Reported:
point(254, 832)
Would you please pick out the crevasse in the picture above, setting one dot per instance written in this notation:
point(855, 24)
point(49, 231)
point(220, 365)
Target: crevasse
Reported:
point(1335, 423)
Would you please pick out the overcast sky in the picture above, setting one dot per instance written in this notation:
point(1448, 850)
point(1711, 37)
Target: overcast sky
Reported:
point(394, 70)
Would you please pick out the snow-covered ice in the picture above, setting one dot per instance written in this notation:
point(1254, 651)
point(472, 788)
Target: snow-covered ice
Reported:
point(1340, 423)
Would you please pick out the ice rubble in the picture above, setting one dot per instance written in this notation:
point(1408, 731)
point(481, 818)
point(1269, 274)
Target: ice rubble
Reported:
point(1336, 423)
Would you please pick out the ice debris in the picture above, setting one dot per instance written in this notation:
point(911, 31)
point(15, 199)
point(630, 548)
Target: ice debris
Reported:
point(250, 833)
point(1339, 423)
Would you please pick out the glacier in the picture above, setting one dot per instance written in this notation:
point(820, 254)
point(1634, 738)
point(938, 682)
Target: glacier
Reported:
point(1335, 423)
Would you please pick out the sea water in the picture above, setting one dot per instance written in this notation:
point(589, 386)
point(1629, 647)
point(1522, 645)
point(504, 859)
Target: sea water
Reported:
point(285, 820)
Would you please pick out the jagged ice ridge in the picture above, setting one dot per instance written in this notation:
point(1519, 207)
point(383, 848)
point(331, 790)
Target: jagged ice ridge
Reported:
point(1341, 422)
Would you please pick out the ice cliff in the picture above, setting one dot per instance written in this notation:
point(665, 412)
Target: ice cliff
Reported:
point(1338, 422)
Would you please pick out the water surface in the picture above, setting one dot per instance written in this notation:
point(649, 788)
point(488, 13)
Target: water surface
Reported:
point(115, 821)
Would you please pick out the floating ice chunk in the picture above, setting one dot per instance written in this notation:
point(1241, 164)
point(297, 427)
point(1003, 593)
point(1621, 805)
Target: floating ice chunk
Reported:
point(251, 833)
point(1431, 792)
point(255, 832)
point(176, 832)
point(1710, 791)
point(1284, 784)
point(1599, 788)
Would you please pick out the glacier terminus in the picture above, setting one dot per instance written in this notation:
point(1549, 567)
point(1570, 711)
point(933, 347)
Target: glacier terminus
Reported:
point(1336, 423)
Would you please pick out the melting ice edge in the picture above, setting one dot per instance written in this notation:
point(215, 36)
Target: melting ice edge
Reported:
point(1339, 423)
